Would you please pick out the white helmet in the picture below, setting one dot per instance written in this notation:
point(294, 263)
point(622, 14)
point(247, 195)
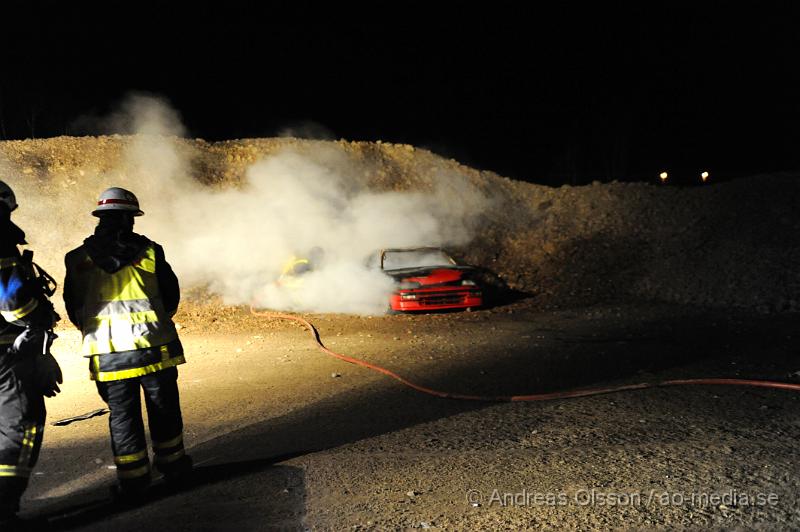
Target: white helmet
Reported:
point(117, 199)
point(7, 196)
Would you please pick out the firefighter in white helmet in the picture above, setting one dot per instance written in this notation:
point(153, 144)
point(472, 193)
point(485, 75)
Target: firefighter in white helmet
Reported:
point(27, 370)
point(121, 293)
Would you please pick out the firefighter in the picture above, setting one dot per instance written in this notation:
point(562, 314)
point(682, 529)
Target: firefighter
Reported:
point(27, 370)
point(296, 267)
point(121, 293)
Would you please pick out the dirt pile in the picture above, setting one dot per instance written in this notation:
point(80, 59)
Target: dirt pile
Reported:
point(731, 244)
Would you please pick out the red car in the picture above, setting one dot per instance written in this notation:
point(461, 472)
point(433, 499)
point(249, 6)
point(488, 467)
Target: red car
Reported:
point(429, 279)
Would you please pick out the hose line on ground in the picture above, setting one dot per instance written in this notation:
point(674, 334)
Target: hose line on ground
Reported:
point(519, 398)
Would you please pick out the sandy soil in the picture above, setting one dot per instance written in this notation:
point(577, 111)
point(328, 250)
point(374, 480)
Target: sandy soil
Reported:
point(287, 438)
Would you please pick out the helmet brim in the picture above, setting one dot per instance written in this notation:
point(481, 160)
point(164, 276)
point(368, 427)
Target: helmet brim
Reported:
point(99, 211)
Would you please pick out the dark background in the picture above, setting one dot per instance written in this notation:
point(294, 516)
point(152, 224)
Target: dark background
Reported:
point(560, 94)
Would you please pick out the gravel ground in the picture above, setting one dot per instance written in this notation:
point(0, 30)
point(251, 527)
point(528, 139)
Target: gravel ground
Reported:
point(288, 438)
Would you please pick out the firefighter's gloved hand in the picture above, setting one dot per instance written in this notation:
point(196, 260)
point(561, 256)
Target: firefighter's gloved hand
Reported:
point(48, 375)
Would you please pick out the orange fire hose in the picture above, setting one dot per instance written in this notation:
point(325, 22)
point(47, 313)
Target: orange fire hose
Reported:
point(516, 398)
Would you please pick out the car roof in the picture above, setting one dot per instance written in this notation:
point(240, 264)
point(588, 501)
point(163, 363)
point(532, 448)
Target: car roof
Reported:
point(424, 248)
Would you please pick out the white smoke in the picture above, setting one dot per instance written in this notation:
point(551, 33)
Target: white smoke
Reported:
point(48, 215)
point(237, 240)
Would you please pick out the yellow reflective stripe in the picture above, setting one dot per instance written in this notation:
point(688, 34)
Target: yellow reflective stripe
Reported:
point(169, 443)
point(130, 458)
point(8, 262)
point(104, 376)
point(169, 458)
point(28, 444)
point(91, 348)
point(30, 436)
point(134, 473)
point(14, 471)
point(21, 312)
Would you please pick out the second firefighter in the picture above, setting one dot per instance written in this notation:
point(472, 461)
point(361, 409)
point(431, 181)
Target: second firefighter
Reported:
point(121, 293)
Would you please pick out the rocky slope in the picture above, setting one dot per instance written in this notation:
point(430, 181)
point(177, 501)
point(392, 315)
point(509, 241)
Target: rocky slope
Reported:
point(731, 244)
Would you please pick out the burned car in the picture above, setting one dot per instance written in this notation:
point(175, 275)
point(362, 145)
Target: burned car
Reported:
point(427, 278)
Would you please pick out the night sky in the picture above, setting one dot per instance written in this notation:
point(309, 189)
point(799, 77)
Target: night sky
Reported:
point(553, 95)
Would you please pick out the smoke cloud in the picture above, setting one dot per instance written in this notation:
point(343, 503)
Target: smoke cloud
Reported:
point(236, 239)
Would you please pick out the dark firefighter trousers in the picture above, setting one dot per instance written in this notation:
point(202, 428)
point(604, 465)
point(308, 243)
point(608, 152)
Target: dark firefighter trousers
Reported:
point(22, 415)
point(127, 429)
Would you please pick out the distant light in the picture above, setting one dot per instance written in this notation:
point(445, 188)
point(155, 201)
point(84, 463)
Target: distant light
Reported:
point(663, 176)
point(704, 176)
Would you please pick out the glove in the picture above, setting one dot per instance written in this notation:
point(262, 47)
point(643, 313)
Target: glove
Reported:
point(48, 375)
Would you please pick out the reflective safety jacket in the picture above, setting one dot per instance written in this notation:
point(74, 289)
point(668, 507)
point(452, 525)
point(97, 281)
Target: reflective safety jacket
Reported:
point(292, 271)
point(127, 332)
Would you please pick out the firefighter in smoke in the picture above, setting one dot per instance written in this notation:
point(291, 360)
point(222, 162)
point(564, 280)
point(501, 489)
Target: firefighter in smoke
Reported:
point(121, 293)
point(296, 267)
point(28, 371)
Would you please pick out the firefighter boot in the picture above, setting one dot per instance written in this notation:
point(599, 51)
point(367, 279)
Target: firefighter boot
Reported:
point(131, 492)
point(11, 489)
point(178, 474)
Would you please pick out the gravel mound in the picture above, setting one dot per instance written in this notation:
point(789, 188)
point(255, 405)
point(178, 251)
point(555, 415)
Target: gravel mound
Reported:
point(733, 244)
